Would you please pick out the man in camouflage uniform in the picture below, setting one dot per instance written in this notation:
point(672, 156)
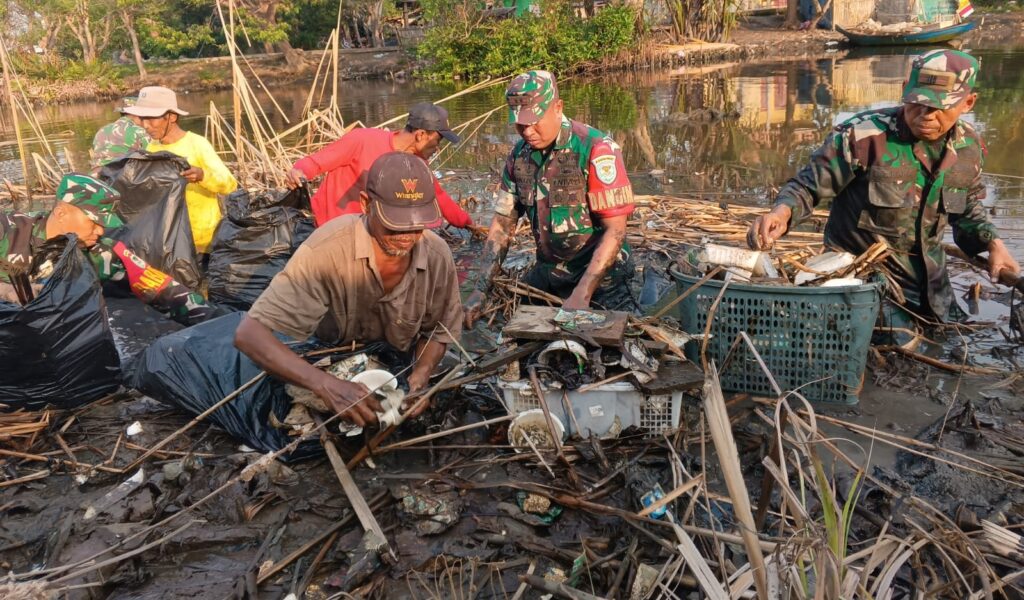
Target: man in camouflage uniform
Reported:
point(85, 208)
point(899, 175)
point(570, 181)
point(117, 139)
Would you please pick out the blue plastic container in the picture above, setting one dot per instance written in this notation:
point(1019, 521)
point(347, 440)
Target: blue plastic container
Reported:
point(812, 338)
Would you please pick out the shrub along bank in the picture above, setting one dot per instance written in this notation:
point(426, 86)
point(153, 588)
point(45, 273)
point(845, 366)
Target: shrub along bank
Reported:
point(464, 43)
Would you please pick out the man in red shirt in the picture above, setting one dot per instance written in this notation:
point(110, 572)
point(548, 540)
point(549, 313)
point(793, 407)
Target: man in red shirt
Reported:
point(347, 160)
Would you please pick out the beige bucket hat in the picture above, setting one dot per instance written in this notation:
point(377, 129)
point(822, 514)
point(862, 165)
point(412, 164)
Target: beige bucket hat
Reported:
point(154, 101)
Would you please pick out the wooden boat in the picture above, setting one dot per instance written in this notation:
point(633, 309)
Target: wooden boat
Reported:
point(902, 38)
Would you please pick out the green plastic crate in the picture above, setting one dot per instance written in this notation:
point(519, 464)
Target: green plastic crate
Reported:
point(812, 338)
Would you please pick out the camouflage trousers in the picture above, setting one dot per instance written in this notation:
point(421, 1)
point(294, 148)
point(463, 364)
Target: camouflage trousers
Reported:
point(614, 292)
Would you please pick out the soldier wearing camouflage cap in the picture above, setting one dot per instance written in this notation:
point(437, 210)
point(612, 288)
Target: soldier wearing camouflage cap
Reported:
point(86, 208)
point(569, 179)
point(120, 138)
point(899, 175)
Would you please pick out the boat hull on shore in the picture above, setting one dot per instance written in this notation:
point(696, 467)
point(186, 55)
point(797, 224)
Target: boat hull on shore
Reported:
point(934, 36)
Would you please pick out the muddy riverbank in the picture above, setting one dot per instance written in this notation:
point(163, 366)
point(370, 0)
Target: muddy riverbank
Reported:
point(211, 74)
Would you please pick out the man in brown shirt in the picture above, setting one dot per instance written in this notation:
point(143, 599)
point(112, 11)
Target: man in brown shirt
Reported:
point(363, 278)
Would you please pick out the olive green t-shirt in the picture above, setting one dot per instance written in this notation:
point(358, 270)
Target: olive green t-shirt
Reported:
point(331, 286)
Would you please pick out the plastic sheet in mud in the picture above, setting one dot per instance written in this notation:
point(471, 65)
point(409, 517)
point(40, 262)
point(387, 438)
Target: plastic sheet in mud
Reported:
point(196, 367)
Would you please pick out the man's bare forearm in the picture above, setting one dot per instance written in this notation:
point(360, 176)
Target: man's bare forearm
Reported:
point(428, 355)
point(605, 255)
point(495, 249)
point(257, 342)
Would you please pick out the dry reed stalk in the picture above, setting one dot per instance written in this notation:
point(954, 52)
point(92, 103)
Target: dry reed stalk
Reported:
point(728, 457)
point(476, 87)
point(907, 444)
point(8, 75)
point(943, 537)
point(938, 364)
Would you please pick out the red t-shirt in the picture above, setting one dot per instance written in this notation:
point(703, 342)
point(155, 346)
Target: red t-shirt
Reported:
point(346, 163)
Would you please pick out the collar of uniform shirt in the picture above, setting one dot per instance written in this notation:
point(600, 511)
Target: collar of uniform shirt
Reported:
point(564, 135)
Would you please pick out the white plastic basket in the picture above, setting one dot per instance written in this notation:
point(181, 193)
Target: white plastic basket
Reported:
point(595, 410)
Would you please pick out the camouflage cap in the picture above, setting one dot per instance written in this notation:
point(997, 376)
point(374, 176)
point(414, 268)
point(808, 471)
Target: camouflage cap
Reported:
point(529, 96)
point(96, 199)
point(941, 78)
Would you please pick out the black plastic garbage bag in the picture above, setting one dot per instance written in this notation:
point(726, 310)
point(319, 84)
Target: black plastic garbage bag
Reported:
point(58, 349)
point(153, 206)
point(196, 367)
point(254, 241)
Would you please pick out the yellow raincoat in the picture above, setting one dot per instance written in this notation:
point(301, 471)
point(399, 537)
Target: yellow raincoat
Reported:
point(201, 198)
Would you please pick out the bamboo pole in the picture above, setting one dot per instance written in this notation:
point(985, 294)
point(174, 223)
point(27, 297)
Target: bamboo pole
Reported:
point(236, 102)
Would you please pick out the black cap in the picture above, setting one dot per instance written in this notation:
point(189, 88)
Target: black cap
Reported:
point(401, 190)
point(431, 117)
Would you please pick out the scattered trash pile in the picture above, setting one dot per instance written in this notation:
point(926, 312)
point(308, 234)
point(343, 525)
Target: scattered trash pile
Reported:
point(801, 268)
point(670, 224)
point(700, 236)
point(873, 26)
point(597, 373)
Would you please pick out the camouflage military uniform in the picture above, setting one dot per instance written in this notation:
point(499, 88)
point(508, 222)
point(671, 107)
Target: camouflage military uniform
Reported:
point(561, 190)
point(20, 235)
point(884, 184)
point(117, 139)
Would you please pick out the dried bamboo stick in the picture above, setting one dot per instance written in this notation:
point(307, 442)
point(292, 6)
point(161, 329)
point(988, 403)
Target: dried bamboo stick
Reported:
point(440, 434)
point(22, 153)
point(728, 456)
point(938, 364)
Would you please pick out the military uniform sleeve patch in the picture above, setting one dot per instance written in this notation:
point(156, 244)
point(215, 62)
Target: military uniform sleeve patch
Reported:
point(610, 200)
point(605, 168)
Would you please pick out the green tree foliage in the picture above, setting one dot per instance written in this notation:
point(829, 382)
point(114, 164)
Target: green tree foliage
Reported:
point(310, 23)
point(88, 30)
point(464, 42)
point(176, 29)
point(461, 39)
